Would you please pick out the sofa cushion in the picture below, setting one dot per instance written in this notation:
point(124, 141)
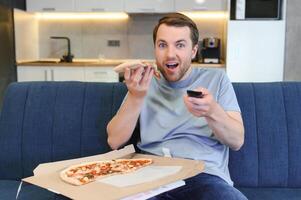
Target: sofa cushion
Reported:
point(272, 193)
point(270, 156)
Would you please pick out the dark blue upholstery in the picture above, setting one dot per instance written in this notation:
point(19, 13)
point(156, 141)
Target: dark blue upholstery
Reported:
point(270, 156)
point(50, 121)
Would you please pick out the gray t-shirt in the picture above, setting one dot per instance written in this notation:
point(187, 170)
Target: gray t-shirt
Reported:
point(165, 121)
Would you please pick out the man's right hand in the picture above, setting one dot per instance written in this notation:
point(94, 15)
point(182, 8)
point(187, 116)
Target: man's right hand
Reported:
point(122, 125)
point(138, 80)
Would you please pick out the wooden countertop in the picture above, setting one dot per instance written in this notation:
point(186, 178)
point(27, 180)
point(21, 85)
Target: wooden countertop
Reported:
point(96, 63)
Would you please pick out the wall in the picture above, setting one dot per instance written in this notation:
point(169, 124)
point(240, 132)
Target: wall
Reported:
point(26, 36)
point(89, 38)
point(292, 67)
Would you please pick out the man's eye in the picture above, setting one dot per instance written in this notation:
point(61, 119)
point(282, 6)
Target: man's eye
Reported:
point(180, 45)
point(161, 45)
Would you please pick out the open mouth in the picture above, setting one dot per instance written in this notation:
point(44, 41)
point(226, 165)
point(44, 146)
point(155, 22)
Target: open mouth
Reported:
point(172, 65)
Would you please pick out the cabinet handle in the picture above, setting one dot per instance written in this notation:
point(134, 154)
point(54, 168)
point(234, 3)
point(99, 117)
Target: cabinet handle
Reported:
point(48, 9)
point(52, 75)
point(147, 9)
point(200, 8)
point(97, 9)
point(45, 75)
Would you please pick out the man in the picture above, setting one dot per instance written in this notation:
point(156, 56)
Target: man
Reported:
point(194, 128)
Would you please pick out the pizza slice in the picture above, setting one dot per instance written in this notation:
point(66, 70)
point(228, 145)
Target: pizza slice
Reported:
point(134, 65)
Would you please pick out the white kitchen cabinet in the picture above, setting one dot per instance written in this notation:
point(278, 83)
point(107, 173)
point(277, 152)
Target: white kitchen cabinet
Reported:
point(255, 50)
point(33, 73)
point(99, 5)
point(60, 73)
point(63, 73)
point(149, 6)
point(50, 5)
point(201, 5)
point(101, 74)
point(50, 73)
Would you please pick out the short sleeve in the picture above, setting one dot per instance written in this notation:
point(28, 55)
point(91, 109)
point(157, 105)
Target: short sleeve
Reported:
point(226, 96)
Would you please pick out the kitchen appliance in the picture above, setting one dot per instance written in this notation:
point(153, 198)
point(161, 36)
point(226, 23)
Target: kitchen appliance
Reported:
point(257, 9)
point(8, 71)
point(211, 50)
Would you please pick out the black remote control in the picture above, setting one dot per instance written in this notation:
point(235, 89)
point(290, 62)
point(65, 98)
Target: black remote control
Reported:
point(195, 94)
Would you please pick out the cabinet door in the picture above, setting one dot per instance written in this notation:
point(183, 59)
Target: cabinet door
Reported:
point(99, 5)
point(101, 74)
point(33, 73)
point(50, 5)
point(149, 6)
point(67, 73)
point(200, 5)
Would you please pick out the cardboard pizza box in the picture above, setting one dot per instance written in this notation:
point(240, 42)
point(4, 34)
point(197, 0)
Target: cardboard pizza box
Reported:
point(163, 171)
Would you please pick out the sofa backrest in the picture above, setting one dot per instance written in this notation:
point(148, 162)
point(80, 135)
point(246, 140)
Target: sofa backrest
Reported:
point(271, 155)
point(50, 121)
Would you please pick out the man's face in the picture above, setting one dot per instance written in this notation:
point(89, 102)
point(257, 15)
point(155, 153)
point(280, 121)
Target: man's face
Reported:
point(174, 51)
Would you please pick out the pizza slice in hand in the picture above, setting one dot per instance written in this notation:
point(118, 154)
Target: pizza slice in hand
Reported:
point(134, 65)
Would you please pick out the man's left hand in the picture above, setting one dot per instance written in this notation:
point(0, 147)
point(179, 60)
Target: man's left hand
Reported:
point(201, 107)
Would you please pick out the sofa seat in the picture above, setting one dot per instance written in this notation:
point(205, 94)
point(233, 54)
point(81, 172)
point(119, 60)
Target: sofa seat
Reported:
point(259, 193)
point(9, 188)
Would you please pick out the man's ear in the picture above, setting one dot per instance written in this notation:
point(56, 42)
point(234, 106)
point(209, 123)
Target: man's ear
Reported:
point(194, 51)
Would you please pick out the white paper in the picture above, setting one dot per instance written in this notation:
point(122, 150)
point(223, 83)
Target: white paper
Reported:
point(146, 174)
point(155, 192)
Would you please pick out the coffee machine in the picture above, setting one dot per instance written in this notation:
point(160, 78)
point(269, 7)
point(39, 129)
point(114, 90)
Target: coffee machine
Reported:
point(211, 50)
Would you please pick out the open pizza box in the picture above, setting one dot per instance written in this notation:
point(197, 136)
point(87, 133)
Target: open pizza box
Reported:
point(163, 171)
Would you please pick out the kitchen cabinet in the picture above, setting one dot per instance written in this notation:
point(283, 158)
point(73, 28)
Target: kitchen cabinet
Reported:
point(67, 73)
point(149, 6)
point(75, 5)
point(99, 5)
point(201, 5)
point(33, 73)
point(60, 73)
point(50, 5)
point(101, 74)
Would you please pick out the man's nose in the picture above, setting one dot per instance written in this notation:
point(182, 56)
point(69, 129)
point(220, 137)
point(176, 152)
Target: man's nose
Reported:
point(170, 52)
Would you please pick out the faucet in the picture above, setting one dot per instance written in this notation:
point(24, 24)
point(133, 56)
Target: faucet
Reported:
point(69, 56)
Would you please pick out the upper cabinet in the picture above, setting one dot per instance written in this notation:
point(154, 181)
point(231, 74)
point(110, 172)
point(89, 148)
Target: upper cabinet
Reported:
point(149, 6)
point(200, 5)
point(129, 6)
point(75, 5)
point(50, 5)
point(99, 5)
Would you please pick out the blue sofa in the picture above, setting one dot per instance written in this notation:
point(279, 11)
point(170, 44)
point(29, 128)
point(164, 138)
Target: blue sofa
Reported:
point(49, 121)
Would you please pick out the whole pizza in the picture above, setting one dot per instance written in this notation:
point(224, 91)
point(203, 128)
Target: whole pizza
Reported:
point(90, 171)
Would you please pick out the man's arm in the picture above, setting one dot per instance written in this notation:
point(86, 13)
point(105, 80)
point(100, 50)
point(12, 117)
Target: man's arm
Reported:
point(227, 126)
point(122, 125)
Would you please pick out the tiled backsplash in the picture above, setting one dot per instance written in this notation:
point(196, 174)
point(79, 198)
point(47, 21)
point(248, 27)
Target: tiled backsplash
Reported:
point(89, 38)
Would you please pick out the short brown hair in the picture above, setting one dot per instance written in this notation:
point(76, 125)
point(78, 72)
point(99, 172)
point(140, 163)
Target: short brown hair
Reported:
point(178, 20)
